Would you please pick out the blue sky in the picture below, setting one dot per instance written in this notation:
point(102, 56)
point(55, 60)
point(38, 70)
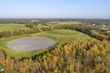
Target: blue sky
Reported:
point(54, 8)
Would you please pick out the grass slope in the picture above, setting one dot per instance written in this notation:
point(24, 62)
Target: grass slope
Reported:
point(60, 36)
point(64, 35)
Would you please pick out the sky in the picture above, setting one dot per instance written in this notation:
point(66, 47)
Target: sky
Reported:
point(54, 8)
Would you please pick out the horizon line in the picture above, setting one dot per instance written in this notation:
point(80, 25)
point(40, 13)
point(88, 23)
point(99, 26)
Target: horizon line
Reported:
point(48, 18)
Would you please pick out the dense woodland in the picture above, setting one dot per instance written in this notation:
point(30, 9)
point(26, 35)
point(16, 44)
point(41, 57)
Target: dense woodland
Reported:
point(80, 56)
point(7, 21)
point(88, 56)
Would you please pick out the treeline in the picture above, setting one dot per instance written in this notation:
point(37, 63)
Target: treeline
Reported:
point(26, 22)
point(96, 21)
point(17, 21)
point(98, 33)
point(7, 33)
point(36, 23)
point(101, 22)
point(89, 56)
point(93, 32)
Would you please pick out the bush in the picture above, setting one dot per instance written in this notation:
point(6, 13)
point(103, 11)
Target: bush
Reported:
point(1, 35)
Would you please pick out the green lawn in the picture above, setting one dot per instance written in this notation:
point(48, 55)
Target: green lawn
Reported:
point(64, 35)
point(10, 26)
point(35, 20)
point(60, 36)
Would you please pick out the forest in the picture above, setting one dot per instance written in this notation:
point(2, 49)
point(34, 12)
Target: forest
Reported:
point(74, 57)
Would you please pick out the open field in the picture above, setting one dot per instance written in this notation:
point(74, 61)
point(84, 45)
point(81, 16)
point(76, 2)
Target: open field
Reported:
point(10, 26)
point(35, 20)
point(58, 22)
point(68, 22)
point(64, 35)
point(60, 36)
point(65, 22)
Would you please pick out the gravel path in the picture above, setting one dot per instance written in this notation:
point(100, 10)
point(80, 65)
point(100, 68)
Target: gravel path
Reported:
point(30, 44)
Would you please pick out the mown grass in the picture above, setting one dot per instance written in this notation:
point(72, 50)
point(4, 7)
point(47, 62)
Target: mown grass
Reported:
point(61, 36)
point(64, 35)
point(10, 26)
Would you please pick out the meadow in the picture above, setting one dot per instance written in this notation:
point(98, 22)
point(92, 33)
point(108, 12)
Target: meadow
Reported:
point(56, 22)
point(68, 22)
point(65, 22)
point(60, 36)
point(10, 26)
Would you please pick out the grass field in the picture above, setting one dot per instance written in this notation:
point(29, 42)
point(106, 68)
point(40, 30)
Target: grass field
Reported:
point(64, 35)
point(10, 26)
point(60, 36)
point(65, 22)
point(60, 22)
point(68, 22)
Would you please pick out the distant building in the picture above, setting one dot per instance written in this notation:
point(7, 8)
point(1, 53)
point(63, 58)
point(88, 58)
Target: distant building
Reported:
point(108, 31)
point(97, 26)
point(100, 26)
point(104, 26)
point(108, 26)
point(94, 25)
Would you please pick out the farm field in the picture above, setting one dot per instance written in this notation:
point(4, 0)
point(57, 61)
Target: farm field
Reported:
point(65, 22)
point(68, 22)
point(60, 36)
point(10, 26)
point(58, 22)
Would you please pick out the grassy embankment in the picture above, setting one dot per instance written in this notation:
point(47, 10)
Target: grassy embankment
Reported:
point(60, 36)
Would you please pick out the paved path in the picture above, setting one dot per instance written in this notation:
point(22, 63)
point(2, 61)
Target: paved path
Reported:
point(31, 44)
